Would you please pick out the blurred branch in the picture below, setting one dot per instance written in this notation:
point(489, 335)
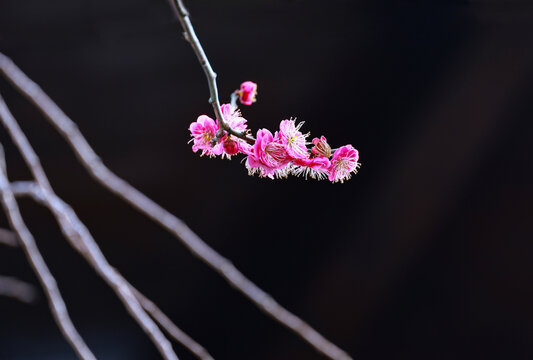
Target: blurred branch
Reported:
point(79, 241)
point(171, 328)
point(190, 35)
point(90, 160)
point(17, 289)
point(57, 305)
point(85, 244)
point(8, 237)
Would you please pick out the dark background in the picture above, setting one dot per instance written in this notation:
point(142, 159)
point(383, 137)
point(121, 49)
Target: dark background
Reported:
point(425, 254)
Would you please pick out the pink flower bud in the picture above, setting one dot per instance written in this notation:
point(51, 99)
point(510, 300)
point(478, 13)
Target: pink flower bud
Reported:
point(247, 93)
point(321, 147)
point(231, 147)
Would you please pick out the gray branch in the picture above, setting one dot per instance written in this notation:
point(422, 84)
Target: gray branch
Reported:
point(7, 237)
point(90, 250)
point(57, 305)
point(17, 289)
point(171, 328)
point(90, 160)
point(79, 241)
point(190, 35)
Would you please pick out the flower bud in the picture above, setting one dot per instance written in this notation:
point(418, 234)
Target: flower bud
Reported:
point(321, 147)
point(247, 93)
point(230, 146)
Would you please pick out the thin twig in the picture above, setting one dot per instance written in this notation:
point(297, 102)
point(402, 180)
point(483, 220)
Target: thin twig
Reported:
point(57, 305)
point(17, 289)
point(190, 36)
point(91, 251)
point(90, 160)
point(32, 190)
point(8, 237)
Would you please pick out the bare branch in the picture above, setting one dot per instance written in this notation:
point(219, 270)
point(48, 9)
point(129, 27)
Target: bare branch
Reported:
point(57, 305)
point(8, 237)
point(148, 207)
point(91, 252)
point(17, 289)
point(32, 190)
point(171, 328)
point(190, 35)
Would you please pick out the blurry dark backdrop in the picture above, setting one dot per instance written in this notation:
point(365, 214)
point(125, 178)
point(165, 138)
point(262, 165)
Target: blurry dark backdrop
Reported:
point(425, 254)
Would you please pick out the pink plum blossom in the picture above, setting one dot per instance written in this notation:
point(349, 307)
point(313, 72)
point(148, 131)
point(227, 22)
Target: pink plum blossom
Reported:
point(233, 118)
point(203, 132)
point(343, 163)
point(317, 167)
point(246, 148)
point(294, 141)
point(269, 157)
point(248, 92)
point(231, 144)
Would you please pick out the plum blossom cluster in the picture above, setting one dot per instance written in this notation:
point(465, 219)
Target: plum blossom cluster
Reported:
point(277, 155)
